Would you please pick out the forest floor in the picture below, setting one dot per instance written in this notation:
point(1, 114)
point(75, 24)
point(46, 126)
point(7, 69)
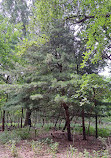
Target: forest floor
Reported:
point(26, 149)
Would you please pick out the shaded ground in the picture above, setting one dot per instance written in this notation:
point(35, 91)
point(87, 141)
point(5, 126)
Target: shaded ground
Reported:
point(24, 149)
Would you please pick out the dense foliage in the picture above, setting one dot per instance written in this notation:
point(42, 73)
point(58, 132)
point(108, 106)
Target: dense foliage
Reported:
point(47, 65)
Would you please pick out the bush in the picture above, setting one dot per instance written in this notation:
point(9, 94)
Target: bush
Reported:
point(102, 132)
point(47, 127)
point(8, 136)
point(15, 135)
point(23, 133)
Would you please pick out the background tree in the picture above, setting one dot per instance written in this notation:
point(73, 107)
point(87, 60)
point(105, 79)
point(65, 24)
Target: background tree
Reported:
point(17, 11)
point(93, 89)
point(93, 18)
point(52, 66)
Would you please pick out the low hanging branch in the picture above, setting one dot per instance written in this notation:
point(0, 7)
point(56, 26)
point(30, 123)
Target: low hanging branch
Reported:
point(106, 56)
point(85, 17)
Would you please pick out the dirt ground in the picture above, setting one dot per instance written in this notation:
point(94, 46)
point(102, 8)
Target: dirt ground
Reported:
point(24, 149)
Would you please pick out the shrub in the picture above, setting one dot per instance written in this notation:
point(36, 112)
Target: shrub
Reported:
point(37, 147)
point(8, 136)
point(102, 132)
point(15, 135)
point(14, 149)
point(23, 133)
point(54, 147)
point(47, 127)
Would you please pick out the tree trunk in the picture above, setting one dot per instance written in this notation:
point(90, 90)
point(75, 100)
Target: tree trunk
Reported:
point(66, 124)
point(18, 122)
point(96, 118)
point(68, 121)
point(83, 124)
point(21, 119)
point(43, 122)
point(3, 116)
point(57, 119)
point(89, 128)
point(7, 118)
point(3, 121)
point(28, 114)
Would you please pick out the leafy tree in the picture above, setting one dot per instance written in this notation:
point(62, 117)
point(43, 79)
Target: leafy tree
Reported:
point(50, 76)
point(93, 16)
point(93, 89)
point(9, 38)
point(17, 11)
point(53, 70)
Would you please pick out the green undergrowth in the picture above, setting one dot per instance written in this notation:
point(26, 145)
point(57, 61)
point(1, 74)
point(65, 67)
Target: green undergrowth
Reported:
point(26, 133)
point(102, 132)
point(14, 135)
point(51, 148)
point(47, 145)
point(73, 152)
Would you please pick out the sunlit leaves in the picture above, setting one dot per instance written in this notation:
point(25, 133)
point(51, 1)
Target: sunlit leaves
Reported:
point(36, 96)
point(94, 82)
point(96, 34)
point(61, 99)
point(46, 12)
point(9, 37)
point(27, 43)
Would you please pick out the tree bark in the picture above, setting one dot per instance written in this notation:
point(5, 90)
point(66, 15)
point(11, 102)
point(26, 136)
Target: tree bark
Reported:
point(57, 119)
point(3, 121)
point(18, 122)
point(7, 117)
point(28, 114)
point(83, 124)
point(22, 119)
point(68, 121)
point(96, 117)
point(66, 124)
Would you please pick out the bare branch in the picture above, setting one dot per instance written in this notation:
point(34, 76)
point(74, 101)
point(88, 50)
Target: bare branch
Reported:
point(85, 17)
point(106, 56)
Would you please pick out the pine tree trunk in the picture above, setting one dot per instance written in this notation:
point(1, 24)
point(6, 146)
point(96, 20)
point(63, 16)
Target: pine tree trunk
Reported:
point(18, 122)
point(3, 121)
point(3, 116)
point(6, 118)
point(57, 118)
point(96, 126)
point(66, 124)
point(22, 119)
point(43, 122)
point(68, 121)
point(89, 127)
point(83, 125)
point(28, 114)
point(96, 118)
